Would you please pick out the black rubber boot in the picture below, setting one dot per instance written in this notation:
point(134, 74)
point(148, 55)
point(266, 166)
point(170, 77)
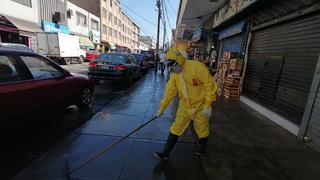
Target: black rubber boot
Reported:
point(164, 155)
point(202, 146)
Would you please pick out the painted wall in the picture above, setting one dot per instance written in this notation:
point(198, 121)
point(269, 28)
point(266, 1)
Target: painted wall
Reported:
point(72, 22)
point(20, 11)
point(96, 33)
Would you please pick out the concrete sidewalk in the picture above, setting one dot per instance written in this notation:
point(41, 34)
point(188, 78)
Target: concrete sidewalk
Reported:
point(243, 145)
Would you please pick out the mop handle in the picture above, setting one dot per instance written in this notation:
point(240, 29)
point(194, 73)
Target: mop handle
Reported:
point(84, 162)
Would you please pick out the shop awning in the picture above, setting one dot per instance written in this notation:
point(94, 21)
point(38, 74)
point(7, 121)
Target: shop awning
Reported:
point(85, 42)
point(25, 27)
point(112, 46)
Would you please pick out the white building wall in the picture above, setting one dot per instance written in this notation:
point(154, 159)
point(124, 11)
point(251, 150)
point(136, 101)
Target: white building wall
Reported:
point(72, 22)
point(143, 46)
point(19, 11)
point(96, 33)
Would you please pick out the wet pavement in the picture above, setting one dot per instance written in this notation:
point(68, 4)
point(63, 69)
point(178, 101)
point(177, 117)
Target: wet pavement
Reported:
point(243, 144)
point(31, 136)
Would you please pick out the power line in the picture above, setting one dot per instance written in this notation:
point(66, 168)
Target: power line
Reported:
point(167, 15)
point(175, 12)
point(139, 15)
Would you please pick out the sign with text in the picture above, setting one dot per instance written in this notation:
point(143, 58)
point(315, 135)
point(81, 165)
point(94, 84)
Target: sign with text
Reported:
point(48, 26)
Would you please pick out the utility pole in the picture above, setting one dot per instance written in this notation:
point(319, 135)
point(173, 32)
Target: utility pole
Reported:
point(158, 33)
point(164, 36)
point(164, 26)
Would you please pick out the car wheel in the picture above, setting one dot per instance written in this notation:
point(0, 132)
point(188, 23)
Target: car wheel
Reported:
point(139, 74)
point(96, 81)
point(85, 98)
point(128, 80)
point(81, 59)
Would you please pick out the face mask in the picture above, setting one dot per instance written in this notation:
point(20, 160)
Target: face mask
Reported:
point(176, 68)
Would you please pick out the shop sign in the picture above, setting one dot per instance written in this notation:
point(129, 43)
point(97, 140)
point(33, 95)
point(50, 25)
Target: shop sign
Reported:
point(229, 10)
point(236, 29)
point(94, 37)
point(52, 27)
point(197, 34)
point(181, 29)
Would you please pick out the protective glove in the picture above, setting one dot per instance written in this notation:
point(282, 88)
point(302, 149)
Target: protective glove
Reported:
point(157, 114)
point(207, 112)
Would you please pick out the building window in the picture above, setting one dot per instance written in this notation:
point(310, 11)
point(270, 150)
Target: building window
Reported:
point(105, 29)
point(81, 19)
point(111, 3)
point(104, 13)
point(110, 17)
point(24, 2)
point(115, 34)
point(110, 32)
point(94, 25)
point(115, 21)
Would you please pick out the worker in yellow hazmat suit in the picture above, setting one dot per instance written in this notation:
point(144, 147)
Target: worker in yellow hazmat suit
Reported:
point(196, 89)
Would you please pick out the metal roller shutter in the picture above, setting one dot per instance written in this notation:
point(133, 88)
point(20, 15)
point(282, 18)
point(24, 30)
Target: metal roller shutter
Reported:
point(281, 65)
point(314, 125)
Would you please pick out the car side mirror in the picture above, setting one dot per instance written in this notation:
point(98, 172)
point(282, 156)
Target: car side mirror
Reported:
point(66, 73)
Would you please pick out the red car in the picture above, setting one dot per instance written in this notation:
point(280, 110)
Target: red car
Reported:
point(29, 82)
point(92, 55)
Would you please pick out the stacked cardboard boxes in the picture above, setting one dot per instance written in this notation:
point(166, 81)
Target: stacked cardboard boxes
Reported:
point(229, 76)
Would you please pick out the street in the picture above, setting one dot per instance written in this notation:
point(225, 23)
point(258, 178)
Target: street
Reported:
point(44, 129)
point(160, 89)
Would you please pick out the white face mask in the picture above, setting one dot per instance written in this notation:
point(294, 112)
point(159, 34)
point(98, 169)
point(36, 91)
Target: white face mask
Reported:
point(175, 68)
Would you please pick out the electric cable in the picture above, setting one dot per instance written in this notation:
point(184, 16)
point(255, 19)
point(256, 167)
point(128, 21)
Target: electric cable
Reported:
point(137, 14)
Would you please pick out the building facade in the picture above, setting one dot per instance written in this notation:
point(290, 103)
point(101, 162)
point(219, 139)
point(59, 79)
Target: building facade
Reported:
point(148, 40)
point(279, 43)
point(84, 24)
point(118, 31)
point(19, 27)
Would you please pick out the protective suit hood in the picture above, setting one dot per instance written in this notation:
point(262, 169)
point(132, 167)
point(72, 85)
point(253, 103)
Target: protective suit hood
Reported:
point(174, 55)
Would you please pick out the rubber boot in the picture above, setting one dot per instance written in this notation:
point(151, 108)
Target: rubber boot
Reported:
point(164, 155)
point(201, 146)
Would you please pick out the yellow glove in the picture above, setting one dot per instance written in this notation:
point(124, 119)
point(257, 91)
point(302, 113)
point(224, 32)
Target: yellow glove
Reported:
point(157, 114)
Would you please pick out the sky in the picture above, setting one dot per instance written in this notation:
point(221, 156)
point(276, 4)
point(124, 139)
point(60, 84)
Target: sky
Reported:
point(144, 13)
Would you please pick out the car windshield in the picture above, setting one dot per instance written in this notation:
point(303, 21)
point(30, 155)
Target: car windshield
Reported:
point(138, 57)
point(114, 58)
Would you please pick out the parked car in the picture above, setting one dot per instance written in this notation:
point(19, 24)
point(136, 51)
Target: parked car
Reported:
point(11, 46)
point(29, 82)
point(142, 61)
point(91, 55)
point(150, 57)
point(115, 66)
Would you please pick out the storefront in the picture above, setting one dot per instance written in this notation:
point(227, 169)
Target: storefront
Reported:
point(13, 30)
point(94, 36)
point(280, 68)
point(85, 43)
point(232, 39)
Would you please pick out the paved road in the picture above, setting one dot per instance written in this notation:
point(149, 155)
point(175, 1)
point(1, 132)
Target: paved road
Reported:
point(77, 68)
point(24, 144)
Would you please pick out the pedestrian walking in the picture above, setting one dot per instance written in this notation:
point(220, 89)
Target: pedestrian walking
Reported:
point(196, 89)
point(162, 60)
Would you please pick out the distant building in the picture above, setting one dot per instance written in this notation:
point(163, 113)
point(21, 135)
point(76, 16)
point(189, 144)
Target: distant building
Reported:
point(84, 24)
point(118, 31)
point(19, 22)
point(143, 47)
point(148, 40)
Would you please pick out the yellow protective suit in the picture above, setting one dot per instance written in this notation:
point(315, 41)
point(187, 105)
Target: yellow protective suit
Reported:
point(196, 89)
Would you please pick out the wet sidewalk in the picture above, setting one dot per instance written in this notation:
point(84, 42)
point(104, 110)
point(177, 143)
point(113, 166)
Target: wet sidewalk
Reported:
point(243, 144)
